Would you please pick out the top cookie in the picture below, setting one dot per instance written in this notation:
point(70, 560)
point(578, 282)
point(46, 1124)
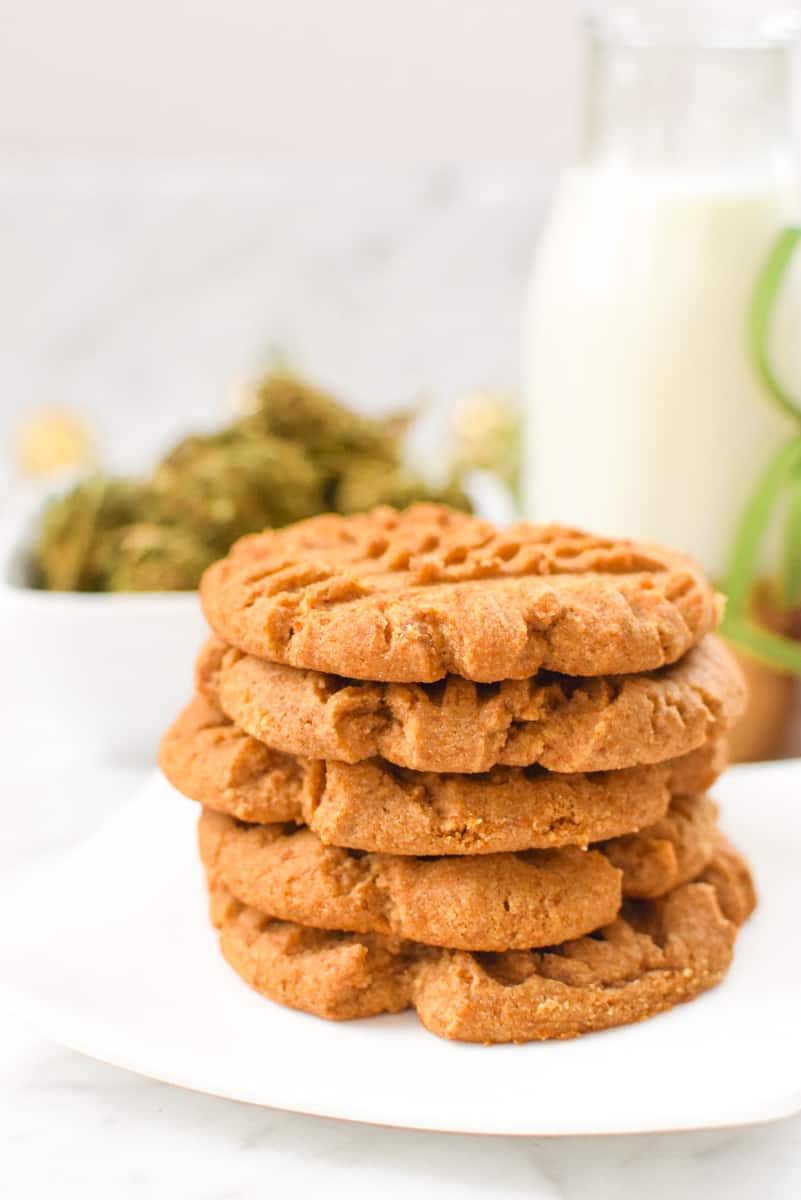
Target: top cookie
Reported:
point(413, 596)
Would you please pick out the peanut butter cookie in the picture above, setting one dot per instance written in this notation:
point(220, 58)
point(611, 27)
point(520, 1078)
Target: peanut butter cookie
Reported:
point(564, 724)
point(498, 901)
point(668, 853)
point(656, 954)
point(375, 806)
point(486, 902)
point(414, 596)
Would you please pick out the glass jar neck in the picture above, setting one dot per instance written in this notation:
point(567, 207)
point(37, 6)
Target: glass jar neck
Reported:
point(693, 108)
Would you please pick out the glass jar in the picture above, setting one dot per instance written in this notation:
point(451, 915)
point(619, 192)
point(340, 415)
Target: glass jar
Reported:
point(643, 413)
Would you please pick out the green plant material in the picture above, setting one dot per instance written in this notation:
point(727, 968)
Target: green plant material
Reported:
point(298, 453)
point(366, 483)
point(741, 577)
point(781, 481)
point(781, 653)
point(229, 484)
point(791, 568)
point(766, 292)
point(72, 525)
point(330, 433)
point(145, 557)
point(738, 626)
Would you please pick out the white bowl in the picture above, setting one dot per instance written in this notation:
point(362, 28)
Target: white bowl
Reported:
point(107, 672)
point(104, 673)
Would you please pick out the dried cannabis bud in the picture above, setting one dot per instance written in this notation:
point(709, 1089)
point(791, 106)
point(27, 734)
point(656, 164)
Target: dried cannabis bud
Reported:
point(145, 557)
point(73, 526)
point(330, 434)
point(366, 483)
point(298, 453)
point(229, 484)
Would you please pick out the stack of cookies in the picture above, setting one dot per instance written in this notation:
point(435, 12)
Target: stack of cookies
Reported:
point(463, 769)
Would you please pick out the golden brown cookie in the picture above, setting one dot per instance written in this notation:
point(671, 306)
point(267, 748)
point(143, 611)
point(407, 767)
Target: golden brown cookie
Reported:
point(488, 902)
point(728, 873)
point(417, 595)
point(375, 806)
point(468, 902)
point(564, 724)
point(207, 758)
point(656, 954)
point(335, 975)
point(668, 853)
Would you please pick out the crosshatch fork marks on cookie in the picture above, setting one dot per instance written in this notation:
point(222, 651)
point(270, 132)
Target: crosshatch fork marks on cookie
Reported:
point(483, 604)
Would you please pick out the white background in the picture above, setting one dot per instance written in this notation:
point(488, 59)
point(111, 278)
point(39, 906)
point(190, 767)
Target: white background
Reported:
point(186, 187)
point(418, 79)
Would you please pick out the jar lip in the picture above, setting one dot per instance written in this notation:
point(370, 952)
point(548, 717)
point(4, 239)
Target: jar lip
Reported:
point(690, 28)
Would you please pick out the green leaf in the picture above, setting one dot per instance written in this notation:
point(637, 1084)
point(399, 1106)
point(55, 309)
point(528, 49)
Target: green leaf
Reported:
point(742, 573)
point(772, 648)
point(791, 572)
point(767, 288)
point(782, 477)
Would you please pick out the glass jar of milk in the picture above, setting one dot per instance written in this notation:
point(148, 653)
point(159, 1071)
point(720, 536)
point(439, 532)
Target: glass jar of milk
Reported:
point(643, 413)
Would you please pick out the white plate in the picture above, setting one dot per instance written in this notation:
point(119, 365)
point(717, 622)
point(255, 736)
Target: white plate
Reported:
point(111, 954)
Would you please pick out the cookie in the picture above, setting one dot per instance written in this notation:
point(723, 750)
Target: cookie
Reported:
point(487, 902)
point(375, 806)
point(468, 902)
point(728, 873)
point(564, 724)
point(335, 975)
point(414, 596)
point(207, 758)
point(668, 853)
point(656, 954)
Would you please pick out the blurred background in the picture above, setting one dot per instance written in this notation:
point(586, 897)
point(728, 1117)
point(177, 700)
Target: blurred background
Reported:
point(543, 237)
point(188, 188)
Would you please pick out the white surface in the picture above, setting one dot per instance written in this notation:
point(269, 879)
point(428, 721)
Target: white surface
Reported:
point(142, 985)
point(426, 78)
point(76, 1129)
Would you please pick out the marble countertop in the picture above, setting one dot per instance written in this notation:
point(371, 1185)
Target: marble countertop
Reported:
point(77, 1128)
point(81, 1128)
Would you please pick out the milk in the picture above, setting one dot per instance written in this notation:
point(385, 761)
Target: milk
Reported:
point(643, 413)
